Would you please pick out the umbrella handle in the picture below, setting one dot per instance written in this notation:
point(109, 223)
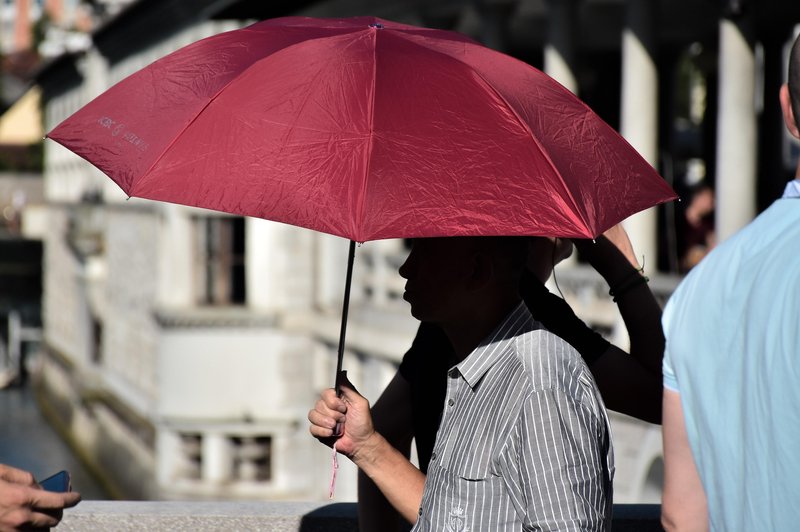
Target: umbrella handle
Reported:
point(345, 306)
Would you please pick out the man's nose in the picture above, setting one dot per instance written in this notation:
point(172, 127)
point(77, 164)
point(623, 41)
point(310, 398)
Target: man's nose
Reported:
point(406, 268)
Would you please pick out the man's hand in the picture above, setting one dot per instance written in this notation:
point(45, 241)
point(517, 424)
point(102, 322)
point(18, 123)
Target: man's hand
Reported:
point(352, 410)
point(25, 505)
point(397, 478)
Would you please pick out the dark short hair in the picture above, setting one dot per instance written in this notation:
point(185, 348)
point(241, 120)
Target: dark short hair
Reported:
point(509, 250)
point(794, 79)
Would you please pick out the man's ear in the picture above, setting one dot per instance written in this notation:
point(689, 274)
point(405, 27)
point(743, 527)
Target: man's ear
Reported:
point(788, 113)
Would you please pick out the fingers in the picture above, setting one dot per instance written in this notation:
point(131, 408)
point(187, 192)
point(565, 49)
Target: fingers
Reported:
point(31, 507)
point(70, 499)
point(27, 519)
point(323, 425)
point(42, 500)
point(17, 476)
point(329, 402)
point(328, 411)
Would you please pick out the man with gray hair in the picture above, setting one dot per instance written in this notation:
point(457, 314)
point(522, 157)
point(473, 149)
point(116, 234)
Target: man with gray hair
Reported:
point(731, 372)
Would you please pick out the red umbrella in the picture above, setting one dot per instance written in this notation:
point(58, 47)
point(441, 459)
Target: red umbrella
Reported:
point(367, 129)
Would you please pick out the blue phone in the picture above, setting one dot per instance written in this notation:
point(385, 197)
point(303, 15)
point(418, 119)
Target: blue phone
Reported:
point(58, 482)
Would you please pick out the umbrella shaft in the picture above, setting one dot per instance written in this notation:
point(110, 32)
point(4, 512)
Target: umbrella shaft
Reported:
point(345, 307)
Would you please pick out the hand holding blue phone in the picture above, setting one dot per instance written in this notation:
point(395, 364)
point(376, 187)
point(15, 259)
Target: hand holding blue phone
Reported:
point(27, 504)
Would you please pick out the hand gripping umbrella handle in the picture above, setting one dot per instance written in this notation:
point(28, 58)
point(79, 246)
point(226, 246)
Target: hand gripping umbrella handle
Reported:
point(337, 431)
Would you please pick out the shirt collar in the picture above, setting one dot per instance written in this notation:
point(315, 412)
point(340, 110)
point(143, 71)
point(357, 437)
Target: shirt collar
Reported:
point(495, 346)
point(792, 189)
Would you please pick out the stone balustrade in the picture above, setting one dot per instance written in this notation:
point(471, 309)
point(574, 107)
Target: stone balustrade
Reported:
point(267, 516)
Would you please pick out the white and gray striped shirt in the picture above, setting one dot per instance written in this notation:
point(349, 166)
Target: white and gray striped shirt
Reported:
point(524, 442)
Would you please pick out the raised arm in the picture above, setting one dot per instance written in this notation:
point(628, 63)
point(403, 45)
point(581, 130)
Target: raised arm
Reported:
point(629, 383)
point(613, 257)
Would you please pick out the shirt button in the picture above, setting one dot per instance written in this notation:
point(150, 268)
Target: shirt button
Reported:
point(451, 402)
point(433, 457)
point(420, 510)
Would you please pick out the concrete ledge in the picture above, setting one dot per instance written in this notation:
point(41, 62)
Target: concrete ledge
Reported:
point(178, 516)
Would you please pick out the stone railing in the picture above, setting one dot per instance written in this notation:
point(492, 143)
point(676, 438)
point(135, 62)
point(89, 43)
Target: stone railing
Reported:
point(267, 516)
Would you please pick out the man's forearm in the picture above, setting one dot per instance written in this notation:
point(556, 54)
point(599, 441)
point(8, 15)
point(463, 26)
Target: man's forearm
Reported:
point(397, 478)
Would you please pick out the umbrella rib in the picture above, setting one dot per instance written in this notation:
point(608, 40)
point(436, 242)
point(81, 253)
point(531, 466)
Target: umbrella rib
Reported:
point(513, 111)
point(546, 155)
point(362, 193)
point(178, 134)
point(211, 100)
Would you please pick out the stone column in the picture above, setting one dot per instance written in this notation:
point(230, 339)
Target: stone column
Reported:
point(559, 58)
point(559, 52)
point(279, 265)
point(736, 126)
point(639, 112)
point(176, 257)
point(95, 71)
point(217, 458)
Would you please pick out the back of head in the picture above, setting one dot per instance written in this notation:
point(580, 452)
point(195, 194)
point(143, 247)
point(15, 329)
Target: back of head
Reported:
point(508, 253)
point(794, 79)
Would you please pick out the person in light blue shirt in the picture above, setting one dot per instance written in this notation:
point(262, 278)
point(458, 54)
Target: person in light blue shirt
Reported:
point(732, 373)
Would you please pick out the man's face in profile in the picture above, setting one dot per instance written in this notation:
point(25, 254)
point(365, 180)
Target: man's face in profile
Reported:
point(436, 270)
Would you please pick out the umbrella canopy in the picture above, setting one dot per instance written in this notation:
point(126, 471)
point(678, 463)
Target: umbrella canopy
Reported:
point(365, 129)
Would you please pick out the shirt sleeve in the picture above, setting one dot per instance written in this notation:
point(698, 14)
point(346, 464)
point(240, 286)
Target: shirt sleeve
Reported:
point(670, 381)
point(558, 470)
point(667, 367)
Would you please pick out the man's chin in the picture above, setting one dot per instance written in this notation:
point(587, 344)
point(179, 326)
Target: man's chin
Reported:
point(421, 316)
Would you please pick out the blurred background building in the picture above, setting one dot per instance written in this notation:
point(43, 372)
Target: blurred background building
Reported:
point(180, 349)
